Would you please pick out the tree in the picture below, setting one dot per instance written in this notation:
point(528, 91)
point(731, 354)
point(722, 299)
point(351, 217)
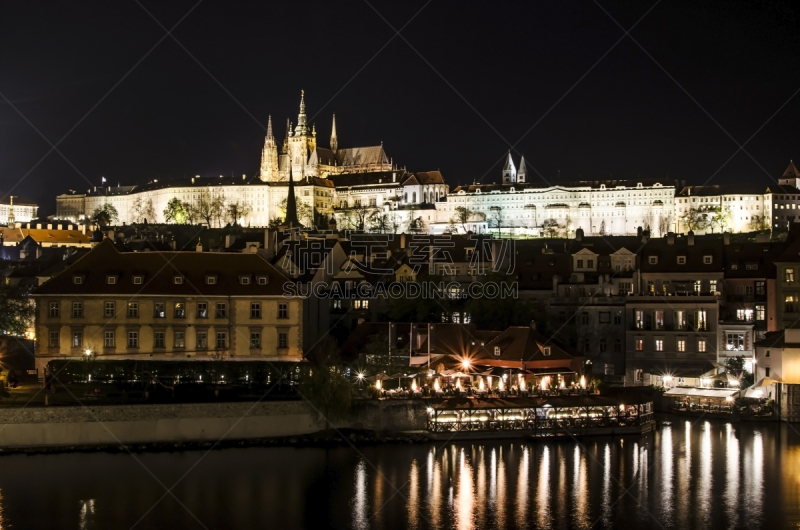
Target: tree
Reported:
point(497, 218)
point(238, 211)
point(759, 222)
point(16, 311)
point(305, 213)
point(142, 209)
point(551, 228)
point(603, 227)
point(105, 215)
point(694, 219)
point(325, 385)
point(649, 220)
point(664, 223)
point(462, 216)
point(208, 206)
point(380, 222)
point(176, 212)
point(721, 217)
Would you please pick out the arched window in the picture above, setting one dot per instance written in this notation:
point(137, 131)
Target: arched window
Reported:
point(424, 196)
point(437, 195)
point(414, 197)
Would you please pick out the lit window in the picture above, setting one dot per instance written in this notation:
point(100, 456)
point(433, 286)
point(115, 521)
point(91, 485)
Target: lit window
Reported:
point(77, 339)
point(55, 309)
point(788, 275)
point(659, 344)
point(202, 310)
point(639, 344)
point(497, 351)
point(701, 345)
point(760, 312)
point(681, 345)
point(158, 310)
point(179, 339)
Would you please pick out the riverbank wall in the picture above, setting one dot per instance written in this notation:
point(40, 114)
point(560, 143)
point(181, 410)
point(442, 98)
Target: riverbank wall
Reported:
point(110, 425)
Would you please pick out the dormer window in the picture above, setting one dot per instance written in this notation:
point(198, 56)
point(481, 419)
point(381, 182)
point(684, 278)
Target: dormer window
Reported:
point(497, 351)
point(77, 280)
point(652, 260)
point(137, 280)
point(211, 280)
point(111, 280)
point(681, 260)
point(262, 280)
point(546, 351)
point(245, 280)
point(707, 259)
point(178, 280)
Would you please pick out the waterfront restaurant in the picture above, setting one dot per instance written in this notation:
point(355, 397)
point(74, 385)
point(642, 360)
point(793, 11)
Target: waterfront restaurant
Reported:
point(521, 350)
point(702, 399)
point(540, 417)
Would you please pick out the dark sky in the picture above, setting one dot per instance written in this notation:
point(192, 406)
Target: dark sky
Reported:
point(482, 75)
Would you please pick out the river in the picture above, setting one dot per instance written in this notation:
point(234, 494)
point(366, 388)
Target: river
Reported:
point(688, 474)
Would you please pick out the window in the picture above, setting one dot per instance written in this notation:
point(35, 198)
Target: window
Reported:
point(603, 345)
point(618, 318)
point(108, 339)
point(605, 317)
point(55, 309)
point(659, 344)
point(283, 340)
point(202, 310)
point(202, 340)
point(179, 339)
point(262, 280)
point(77, 309)
point(680, 319)
point(77, 280)
point(766, 371)
point(761, 288)
point(658, 319)
point(698, 285)
point(701, 319)
point(681, 260)
point(625, 288)
point(255, 310)
point(337, 304)
point(789, 303)
point(652, 260)
point(751, 266)
point(159, 310)
point(745, 315)
point(707, 259)
point(110, 309)
point(712, 286)
point(735, 341)
point(245, 280)
point(651, 286)
point(77, 339)
point(739, 290)
point(54, 339)
point(178, 280)
point(111, 280)
point(137, 280)
point(361, 304)
point(639, 344)
point(222, 340)
point(497, 351)
point(701, 345)
point(133, 339)
point(255, 339)
point(639, 319)
point(681, 345)
point(788, 275)
point(618, 345)
point(760, 312)
point(590, 263)
point(546, 351)
point(584, 318)
point(211, 280)
point(133, 309)
point(283, 310)
point(180, 310)
point(222, 310)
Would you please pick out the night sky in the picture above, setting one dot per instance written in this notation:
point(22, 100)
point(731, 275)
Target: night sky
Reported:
point(472, 79)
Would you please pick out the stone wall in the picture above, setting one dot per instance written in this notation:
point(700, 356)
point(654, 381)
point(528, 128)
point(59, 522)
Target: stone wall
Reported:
point(400, 415)
point(788, 402)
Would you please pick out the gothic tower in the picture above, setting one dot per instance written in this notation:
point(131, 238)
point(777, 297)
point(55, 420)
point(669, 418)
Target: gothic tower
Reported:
point(509, 171)
point(303, 142)
point(269, 156)
point(522, 174)
point(334, 139)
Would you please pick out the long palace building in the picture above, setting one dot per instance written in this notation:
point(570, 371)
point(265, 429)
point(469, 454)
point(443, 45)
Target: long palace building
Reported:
point(362, 185)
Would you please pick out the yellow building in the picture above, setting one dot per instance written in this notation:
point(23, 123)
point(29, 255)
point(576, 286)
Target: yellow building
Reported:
point(167, 304)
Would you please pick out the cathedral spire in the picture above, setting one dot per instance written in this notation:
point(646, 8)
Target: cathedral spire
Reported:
point(301, 117)
point(334, 140)
point(288, 134)
point(522, 174)
point(270, 136)
point(291, 203)
point(269, 155)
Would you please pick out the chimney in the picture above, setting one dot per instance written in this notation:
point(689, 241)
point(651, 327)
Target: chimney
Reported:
point(403, 240)
point(690, 238)
point(670, 238)
point(726, 238)
point(579, 234)
point(199, 247)
point(645, 236)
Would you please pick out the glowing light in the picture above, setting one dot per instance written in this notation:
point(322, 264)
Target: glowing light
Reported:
point(413, 386)
point(436, 385)
point(458, 384)
point(360, 376)
point(465, 364)
point(378, 384)
point(430, 410)
point(667, 378)
point(500, 385)
point(480, 383)
point(735, 382)
point(729, 399)
point(583, 382)
point(87, 352)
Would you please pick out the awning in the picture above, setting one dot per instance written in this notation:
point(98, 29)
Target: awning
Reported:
point(685, 391)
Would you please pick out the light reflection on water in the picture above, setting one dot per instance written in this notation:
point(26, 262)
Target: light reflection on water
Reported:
point(685, 475)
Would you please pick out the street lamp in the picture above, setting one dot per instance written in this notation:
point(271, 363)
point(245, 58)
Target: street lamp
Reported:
point(465, 364)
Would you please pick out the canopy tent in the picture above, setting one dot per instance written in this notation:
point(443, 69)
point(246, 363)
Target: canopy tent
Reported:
point(420, 360)
point(708, 393)
point(761, 388)
point(378, 377)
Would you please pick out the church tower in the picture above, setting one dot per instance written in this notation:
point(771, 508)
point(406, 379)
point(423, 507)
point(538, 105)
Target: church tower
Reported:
point(269, 156)
point(509, 171)
point(522, 174)
point(302, 142)
point(334, 139)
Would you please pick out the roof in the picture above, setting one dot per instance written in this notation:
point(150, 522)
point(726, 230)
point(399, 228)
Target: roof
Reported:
point(667, 254)
point(43, 235)
point(745, 188)
point(371, 178)
point(701, 392)
point(424, 177)
point(159, 270)
point(534, 402)
point(519, 343)
point(359, 156)
point(791, 171)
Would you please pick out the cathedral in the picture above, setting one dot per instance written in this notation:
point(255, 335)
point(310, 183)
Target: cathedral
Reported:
point(301, 157)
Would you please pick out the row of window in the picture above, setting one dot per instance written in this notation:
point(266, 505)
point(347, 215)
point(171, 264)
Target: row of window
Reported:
point(178, 280)
point(159, 339)
point(707, 260)
point(680, 345)
point(159, 310)
point(681, 319)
